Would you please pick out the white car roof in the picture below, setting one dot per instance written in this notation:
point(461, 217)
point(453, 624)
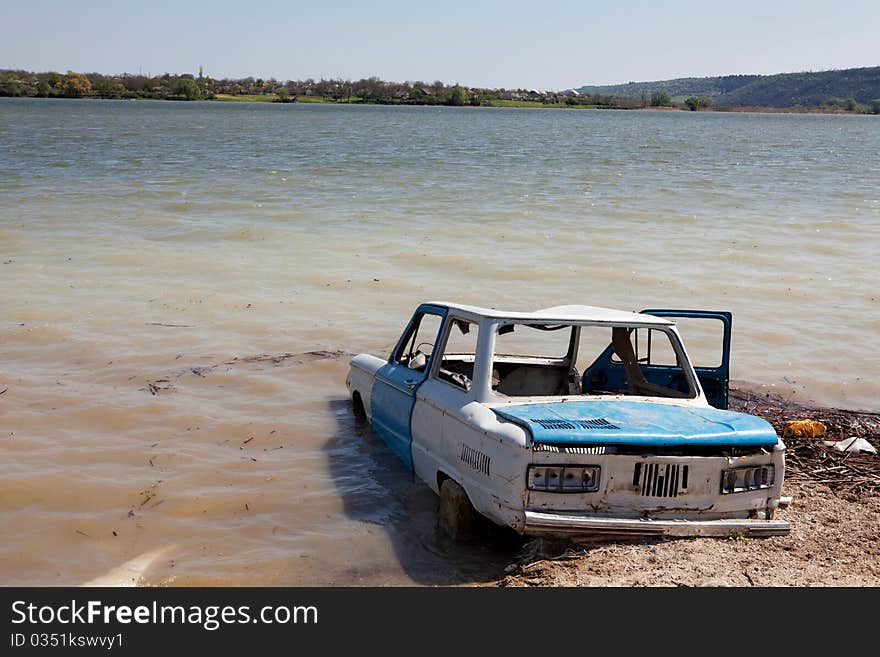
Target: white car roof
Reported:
point(563, 314)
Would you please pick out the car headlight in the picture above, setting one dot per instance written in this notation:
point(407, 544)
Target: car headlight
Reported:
point(564, 478)
point(739, 480)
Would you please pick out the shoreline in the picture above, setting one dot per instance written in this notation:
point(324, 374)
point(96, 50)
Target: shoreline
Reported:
point(850, 475)
point(526, 104)
point(755, 110)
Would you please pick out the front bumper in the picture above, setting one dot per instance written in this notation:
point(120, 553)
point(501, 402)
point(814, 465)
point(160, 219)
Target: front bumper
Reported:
point(543, 523)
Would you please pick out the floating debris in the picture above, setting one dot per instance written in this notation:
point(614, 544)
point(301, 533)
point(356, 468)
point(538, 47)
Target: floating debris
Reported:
point(804, 429)
point(160, 385)
point(855, 445)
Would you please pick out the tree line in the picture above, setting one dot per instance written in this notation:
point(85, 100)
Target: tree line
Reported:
point(201, 87)
point(849, 90)
point(370, 90)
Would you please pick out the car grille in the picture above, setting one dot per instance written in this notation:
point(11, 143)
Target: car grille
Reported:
point(569, 449)
point(660, 479)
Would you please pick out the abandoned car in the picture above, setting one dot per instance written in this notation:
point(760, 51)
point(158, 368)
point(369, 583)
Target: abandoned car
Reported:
point(573, 420)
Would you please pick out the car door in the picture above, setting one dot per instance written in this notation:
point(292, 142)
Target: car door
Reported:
point(713, 364)
point(658, 365)
point(394, 390)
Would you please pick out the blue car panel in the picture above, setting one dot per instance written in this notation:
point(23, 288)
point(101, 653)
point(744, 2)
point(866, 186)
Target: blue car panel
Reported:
point(394, 393)
point(638, 423)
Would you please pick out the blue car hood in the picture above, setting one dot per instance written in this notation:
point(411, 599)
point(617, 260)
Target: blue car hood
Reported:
point(637, 423)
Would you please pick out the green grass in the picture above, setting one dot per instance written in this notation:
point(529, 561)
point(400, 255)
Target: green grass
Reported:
point(268, 98)
point(313, 99)
point(496, 102)
point(246, 98)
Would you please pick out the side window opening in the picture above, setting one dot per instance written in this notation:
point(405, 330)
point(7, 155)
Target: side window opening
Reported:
point(544, 341)
point(533, 360)
point(650, 347)
point(416, 349)
point(704, 339)
point(648, 362)
point(459, 354)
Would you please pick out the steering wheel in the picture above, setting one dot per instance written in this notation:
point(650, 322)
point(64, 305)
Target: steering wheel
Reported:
point(419, 348)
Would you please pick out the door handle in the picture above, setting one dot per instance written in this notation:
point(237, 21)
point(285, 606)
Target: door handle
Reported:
point(411, 383)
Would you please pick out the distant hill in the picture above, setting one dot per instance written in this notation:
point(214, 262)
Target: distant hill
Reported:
point(782, 90)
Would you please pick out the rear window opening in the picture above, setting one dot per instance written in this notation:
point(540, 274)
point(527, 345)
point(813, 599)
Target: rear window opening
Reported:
point(457, 361)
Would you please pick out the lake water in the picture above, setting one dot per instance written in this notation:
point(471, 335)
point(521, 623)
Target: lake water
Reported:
point(183, 284)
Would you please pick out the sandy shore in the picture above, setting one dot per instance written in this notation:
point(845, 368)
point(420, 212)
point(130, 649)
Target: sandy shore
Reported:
point(835, 519)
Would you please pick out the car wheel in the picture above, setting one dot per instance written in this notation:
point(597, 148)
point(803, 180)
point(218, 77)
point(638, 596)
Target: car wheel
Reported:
point(357, 407)
point(458, 518)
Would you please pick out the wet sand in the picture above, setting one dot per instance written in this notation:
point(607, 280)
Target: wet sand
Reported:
point(833, 542)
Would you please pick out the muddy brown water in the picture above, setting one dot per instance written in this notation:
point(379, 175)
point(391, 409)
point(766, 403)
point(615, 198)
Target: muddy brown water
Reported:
point(219, 490)
point(183, 284)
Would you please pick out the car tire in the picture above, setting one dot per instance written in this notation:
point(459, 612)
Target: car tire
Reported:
point(357, 407)
point(458, 518)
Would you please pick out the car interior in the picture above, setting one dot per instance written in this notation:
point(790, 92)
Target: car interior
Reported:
point(534, 360)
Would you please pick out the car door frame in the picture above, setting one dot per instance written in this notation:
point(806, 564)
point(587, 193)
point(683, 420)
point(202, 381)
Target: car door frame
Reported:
point(395, 387)
point(719, 376)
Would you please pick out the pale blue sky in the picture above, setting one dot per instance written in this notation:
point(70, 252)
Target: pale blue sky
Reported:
point(549, 45)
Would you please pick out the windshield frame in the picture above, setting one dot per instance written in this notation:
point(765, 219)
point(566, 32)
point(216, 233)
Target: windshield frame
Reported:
point(492, 358)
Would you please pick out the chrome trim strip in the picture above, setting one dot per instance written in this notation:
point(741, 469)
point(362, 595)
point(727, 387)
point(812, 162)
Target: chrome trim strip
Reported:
point(538, 522)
